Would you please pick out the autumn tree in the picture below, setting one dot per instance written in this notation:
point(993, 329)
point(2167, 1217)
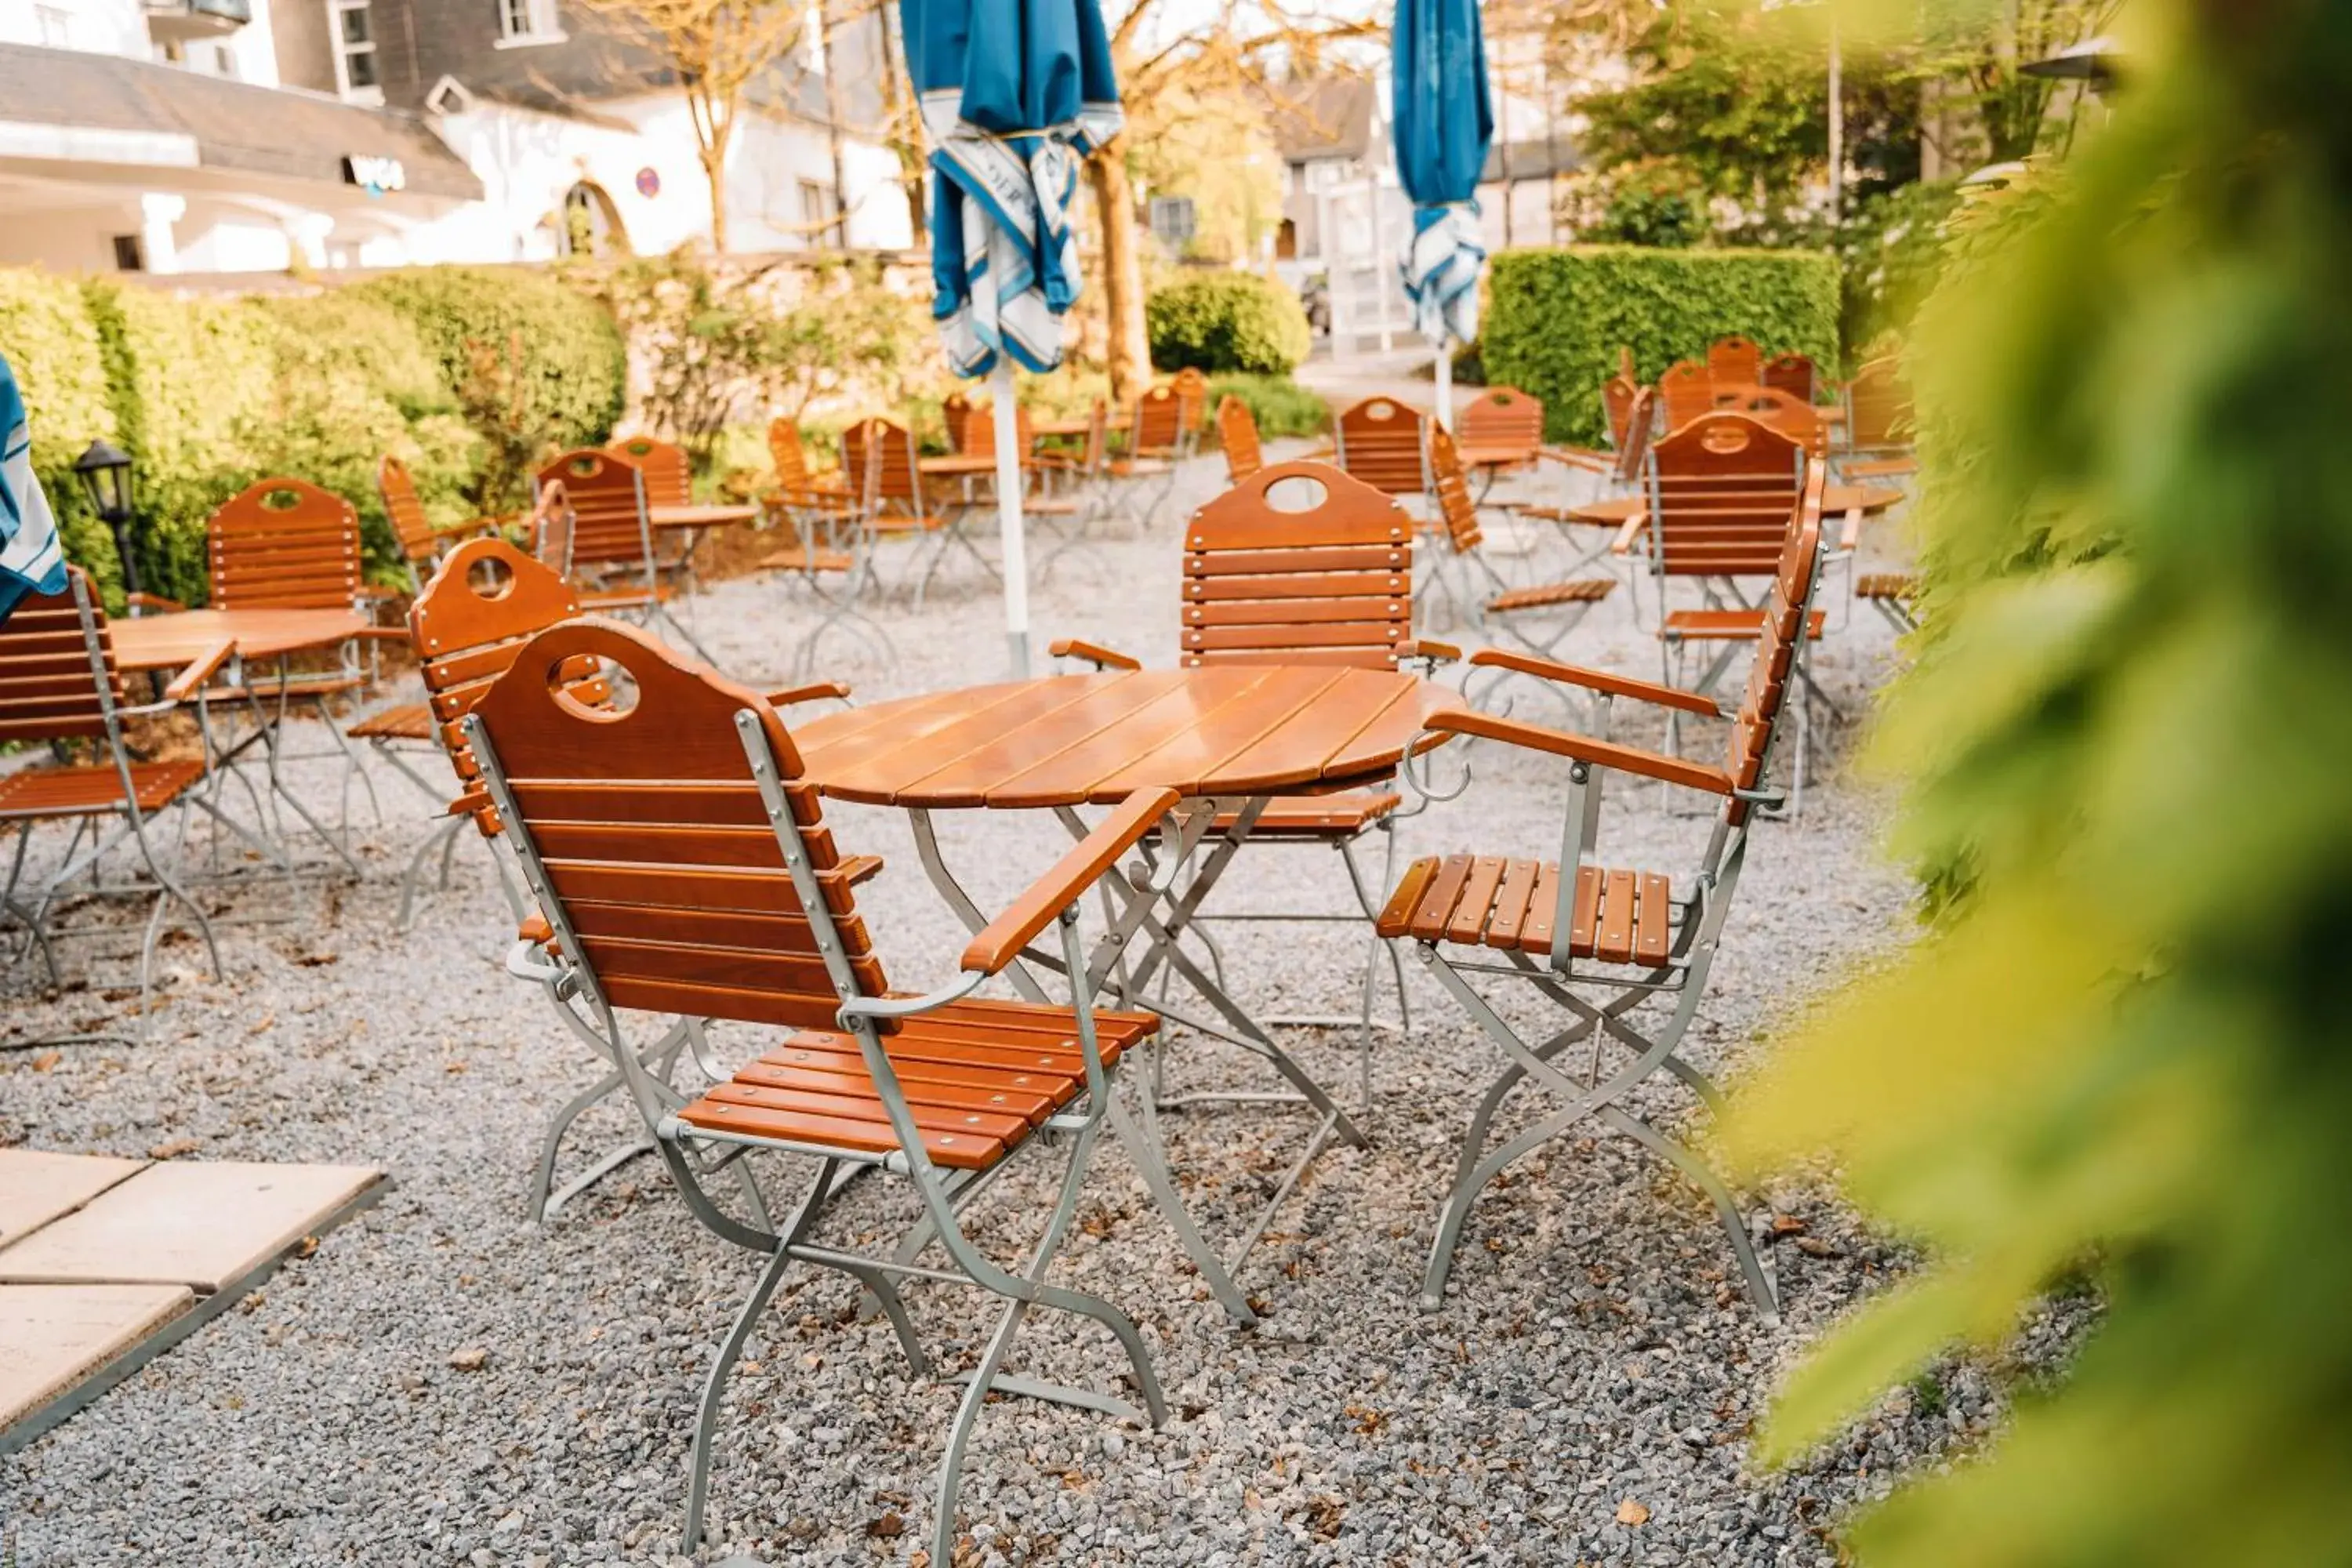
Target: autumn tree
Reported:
point(722, 52)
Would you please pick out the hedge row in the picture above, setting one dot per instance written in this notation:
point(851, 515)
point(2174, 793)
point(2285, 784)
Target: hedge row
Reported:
point(1557, 319)
point(208, 394)
point(1227, 321)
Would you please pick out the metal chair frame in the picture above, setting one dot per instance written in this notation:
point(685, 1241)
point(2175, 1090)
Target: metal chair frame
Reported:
point(1627, 978)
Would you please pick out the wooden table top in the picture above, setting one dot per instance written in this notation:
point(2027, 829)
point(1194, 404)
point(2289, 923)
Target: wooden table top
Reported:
point(1072, 740)
point(1836, 501)
point(183, 637)
point(699, 516)
point(1497, 457)
point(952, 464)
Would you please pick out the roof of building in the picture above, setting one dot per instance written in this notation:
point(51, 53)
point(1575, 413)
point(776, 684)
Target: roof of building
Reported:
point(234, 124)
point(1329, 118)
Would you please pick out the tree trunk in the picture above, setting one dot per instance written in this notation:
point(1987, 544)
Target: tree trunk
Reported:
point(714, 138)
point(1129, 352)
point(898, 112)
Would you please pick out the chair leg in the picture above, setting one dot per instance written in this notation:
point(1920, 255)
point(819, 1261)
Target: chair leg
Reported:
point(443, 840)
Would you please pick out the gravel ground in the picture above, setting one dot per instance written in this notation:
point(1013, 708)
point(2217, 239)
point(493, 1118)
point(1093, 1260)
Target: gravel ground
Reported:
point(1585, 1395)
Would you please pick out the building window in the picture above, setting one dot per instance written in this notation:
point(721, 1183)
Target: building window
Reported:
point(56, 25)
point(353, 31)
point(528, 22)
point(130, 256)
point(817, 213)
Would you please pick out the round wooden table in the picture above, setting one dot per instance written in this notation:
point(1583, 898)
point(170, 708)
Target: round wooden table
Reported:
point(1836, 500)
point(700, 517)
point(1229, 730)
point(183, 637)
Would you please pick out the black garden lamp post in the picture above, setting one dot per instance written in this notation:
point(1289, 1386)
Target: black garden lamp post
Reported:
point(105, 470)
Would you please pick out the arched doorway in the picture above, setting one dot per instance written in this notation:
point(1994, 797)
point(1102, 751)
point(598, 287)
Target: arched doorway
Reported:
point(588, 224)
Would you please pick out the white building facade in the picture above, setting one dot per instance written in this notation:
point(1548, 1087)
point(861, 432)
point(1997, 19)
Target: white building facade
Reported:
point(180, 136)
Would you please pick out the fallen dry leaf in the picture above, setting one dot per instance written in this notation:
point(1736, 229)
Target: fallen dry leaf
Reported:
point(46, 1060)
point(1813, 1247)
point(890, 1526)
point(1632, 1513)
point(175, 1148)
point(1787, 1224)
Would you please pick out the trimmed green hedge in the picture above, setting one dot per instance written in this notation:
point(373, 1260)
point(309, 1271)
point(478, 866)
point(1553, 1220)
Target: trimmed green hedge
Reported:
point(574, 354)
point(1224, 322)
point(210, 393)
point(1279, 404)
point(1555, 319)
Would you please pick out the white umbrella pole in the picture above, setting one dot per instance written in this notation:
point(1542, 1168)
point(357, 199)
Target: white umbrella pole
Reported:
point(1008, 516)
point(1445, 384)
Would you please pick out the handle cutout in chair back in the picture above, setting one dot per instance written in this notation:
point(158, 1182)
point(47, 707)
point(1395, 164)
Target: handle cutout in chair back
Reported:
point(1347, 512)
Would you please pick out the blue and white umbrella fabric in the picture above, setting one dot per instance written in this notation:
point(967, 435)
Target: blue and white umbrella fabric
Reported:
point(1014, 97)
point(31, 559)
point(1444, 120)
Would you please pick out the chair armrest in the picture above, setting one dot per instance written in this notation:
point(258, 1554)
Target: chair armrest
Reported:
point(153, 601)
point(379, 593)
point(1435, 652)
point(1850, 535)
point(1598, 680)
point(1068, 878)
point(1581, 748)
point(815, 692)
point(1100, 657)
point(473, 526)
point(185, 684)
point(1623, 543)
point(380, 634)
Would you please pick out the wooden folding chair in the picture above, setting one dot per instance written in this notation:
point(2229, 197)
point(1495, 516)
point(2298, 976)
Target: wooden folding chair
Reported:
point(1385, 443)
point(953, 410)
point(1539, 617)
point(1237, 434)
point(59, 685)
point(1687, 392)
point(1501, 417)
point(896, 501)
point(1879, 423)
point(1155, 444)
point(668, 476)
point(286, 544)
point(1620, 469)
point(1734, 362)
point(1330, 584)
point(612, 553)
point(1192, 388)
point(1891, 595)
point(1783, 411)
point(684, 868)
point(422, 544)
point(819, 511)
point(1576, 927)
point(1793, 374)
point(1617, 395)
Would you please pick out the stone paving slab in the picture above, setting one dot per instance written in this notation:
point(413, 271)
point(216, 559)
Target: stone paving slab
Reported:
point(37, 1186)
point(52, 1337)
point(197, 1225)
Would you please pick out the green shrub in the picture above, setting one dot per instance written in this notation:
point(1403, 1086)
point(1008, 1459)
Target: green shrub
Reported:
point(1219, 322)
point(1555, 319)
point(1890, 251)
point(577, 362)
point(53, 345)
point(1280, 405)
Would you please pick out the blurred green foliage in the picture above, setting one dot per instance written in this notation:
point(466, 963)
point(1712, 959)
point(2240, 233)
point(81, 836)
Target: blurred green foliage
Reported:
point(1279, 404)
point(53, 345)
point(1555, 319)
point(1219, 321)
point(2121, 1049)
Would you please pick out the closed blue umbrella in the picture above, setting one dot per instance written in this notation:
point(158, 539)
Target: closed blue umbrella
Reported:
point(1444, 120)
point(31, 561)
point(1014, 94)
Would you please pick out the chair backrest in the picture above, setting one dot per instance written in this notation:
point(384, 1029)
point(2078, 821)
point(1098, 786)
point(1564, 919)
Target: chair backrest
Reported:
point(550, 528)
point(608, 492)
point(1793, 374)
point(1097, 452)
point(979, 429)
point(1451, 483)
point(57, 678)
point(1328, 585)
point(669, 479)
point(646, 836)
point(1735, 360)
point(410, 526)
point(1501, 417)
point(1192, 388)
point(789, 454)
point(1617, 397)
point(1158, 430)
point(1786, 607)
point(954, 411)
point(1687, 392)
point(473, 617)
point(1237, 434)
point(1641, 429)
point(1722, 490)
point(1878, 406)
point(1785, 412)
point(284, 544)
point(880, 455)
point(1386, 445)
